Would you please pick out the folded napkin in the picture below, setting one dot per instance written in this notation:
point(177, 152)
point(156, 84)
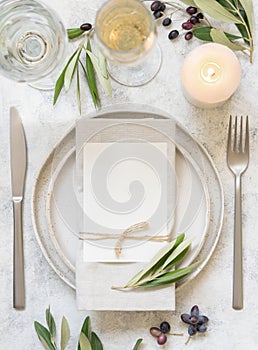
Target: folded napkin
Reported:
point(101, 144)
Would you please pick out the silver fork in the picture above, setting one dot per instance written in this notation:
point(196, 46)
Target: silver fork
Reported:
point(238, 160)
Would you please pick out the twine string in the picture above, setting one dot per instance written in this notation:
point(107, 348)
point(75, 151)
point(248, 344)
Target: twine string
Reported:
point(128, 233)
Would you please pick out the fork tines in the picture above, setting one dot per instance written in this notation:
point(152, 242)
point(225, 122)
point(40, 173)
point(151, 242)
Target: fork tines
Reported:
point(241, 143)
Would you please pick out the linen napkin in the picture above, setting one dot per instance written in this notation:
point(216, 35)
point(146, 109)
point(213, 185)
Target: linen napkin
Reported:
point(98, 268)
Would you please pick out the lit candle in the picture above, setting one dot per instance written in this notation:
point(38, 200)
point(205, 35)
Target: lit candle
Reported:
point(210, 75)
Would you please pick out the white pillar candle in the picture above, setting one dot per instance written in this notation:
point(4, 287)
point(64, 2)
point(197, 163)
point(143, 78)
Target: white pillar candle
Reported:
point(210, 75)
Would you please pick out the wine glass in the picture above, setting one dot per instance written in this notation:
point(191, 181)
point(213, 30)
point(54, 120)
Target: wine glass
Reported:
point(126, 34)
point(32, 43)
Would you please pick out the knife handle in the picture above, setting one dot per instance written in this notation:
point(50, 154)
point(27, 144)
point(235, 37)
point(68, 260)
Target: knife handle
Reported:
point(18, 259)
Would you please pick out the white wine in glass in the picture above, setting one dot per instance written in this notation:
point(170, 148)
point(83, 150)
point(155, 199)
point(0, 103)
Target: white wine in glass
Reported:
point(126, 34)
point(32, 43)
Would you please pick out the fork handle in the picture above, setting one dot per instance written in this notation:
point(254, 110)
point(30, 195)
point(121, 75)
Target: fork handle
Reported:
point(238, 264)
point(18, 260)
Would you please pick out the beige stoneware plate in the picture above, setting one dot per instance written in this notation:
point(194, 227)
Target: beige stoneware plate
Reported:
point(55, 206)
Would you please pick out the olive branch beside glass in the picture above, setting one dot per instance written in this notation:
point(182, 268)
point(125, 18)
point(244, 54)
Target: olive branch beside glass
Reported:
point(33, 46)
point(33, 42)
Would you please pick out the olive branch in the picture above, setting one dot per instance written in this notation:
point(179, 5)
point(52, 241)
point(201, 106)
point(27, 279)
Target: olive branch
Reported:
point(93, 67)
point(84, 61)
point(160, 271)
point(87, 340)
point(238, 12)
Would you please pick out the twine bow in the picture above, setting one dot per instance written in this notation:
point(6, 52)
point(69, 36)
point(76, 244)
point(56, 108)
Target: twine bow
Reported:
point(129, 233)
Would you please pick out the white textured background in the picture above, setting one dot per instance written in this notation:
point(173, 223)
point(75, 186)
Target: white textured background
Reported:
point(212, 289)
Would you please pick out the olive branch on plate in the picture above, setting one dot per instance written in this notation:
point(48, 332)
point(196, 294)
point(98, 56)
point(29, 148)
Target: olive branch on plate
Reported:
point(94, 66)
point(160, 271)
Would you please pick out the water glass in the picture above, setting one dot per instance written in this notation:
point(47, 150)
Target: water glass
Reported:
point(32, 42)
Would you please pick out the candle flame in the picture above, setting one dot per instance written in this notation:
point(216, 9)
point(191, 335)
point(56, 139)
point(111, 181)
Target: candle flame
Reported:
point(211, 72)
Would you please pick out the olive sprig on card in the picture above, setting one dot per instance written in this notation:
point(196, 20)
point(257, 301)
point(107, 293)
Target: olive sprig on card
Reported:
point(160, 271)
point(84, 61)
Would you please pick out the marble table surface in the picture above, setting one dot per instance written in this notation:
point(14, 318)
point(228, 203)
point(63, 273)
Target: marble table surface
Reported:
point(211, 289)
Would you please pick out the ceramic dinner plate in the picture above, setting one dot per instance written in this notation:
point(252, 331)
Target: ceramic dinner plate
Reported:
point(199, 209)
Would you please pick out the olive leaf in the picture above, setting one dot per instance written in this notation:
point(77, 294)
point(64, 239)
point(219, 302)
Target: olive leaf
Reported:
point(204, 33)
point(95, 342)
point(44, 343)
point(65, 333)
point(169, 277)
point(243, 30)
point(51, 325)
point(60, 81)
point(215, 10)
point(248, 7)
point(176, 252)
point(70, 70)
point(44, 336)
point(178, 259)
point(86, 329)
point(103, 65)
point(226, 3)
point(84, 342)
point(99, 64)
point(91, 77)
point(78, 89)
point(137, 345)
point(74, 33)
point(218, 36)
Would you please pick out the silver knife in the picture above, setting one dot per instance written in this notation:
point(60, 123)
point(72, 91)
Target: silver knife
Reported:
point(18, 173)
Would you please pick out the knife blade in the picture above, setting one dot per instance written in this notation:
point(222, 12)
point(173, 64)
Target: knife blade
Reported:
point(18, 173)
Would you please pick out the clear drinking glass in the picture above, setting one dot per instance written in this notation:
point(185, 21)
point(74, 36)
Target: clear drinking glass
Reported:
point(126, 34)
point(32, 43)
